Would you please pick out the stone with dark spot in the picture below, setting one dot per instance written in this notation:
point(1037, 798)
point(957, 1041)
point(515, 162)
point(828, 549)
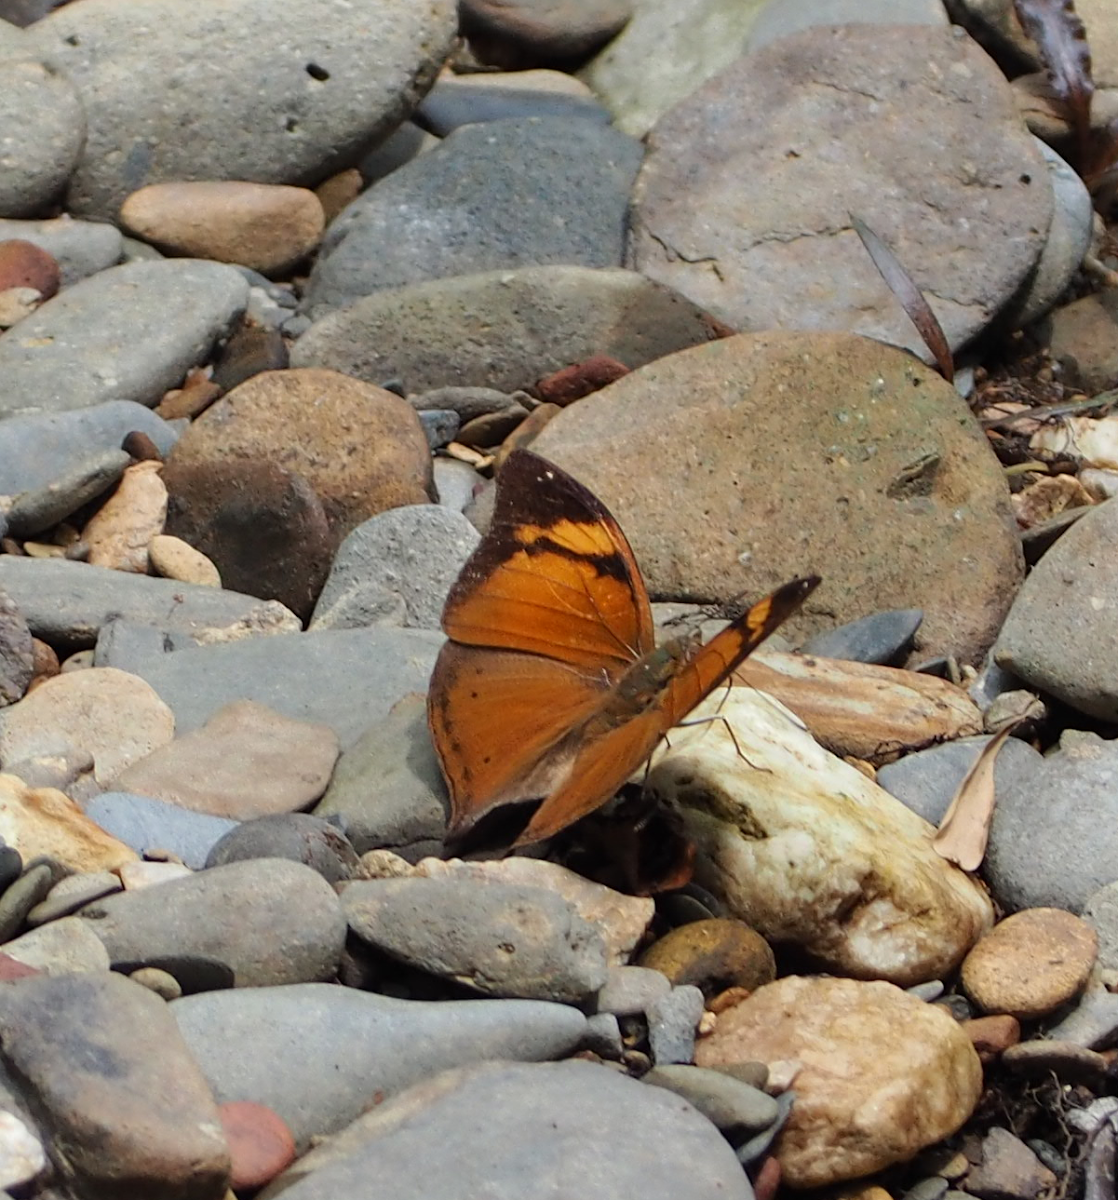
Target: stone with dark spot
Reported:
point(262, 526)
point(715, 954)
point(102, 1063)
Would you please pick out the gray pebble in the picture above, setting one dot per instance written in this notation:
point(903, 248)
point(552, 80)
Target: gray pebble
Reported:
point(932, 1187)
point(758, 1146)
point(17, 658)
point(145, 823)
point(536, 189)
point(672, 1021)
point(71, 893)
point(927, 780)
point(603, 1036)
point(415, 552)
point(454, 103)
point(632, 990)
point(455, 482)
point(388, 788)
point(59, 948)
point(467, 402)
point(297, 674)
point(44, 128)
point(259, 923)
point(884, 638)
point(403, 144)
point(67, 603)
point(932, 990)
point(80, 248)
point(499, 939)
point(297, 836)
point(11, 865)
point(39, 509)
point(340, 1047)
point(1101, 912)
point(108, 337)
point(37, 449)
point(20, 897)
point(736, 1108)
point(1093, 1023)
point(440, 425)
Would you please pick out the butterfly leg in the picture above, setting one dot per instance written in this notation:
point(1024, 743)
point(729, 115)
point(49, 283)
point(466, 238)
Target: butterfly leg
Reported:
point(733, 738)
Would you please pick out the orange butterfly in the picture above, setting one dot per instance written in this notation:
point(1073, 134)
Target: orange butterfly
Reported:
point(550, 683)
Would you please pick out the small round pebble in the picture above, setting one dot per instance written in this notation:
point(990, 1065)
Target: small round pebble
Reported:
point(632, 990)
point(260, 1143)
point(156, 980)
point(1031, 963)
point(715, 954)
point(672, 1022)
point(173, 558)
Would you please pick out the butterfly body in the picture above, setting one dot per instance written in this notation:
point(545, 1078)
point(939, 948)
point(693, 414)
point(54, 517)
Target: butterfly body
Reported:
point(550, 685)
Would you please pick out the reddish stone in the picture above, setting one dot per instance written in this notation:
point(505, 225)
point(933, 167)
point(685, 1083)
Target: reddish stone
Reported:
point(260, 1143)
point(572, 383)
point(768, 1179)
point(12, 968)
point(992, 1036)
point(25, 265)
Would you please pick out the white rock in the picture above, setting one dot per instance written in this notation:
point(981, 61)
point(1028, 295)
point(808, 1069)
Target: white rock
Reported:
point(1093, 439)
point(806, 849)
point(21, 1153)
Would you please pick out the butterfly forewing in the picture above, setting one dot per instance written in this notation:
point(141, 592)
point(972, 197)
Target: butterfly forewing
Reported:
point(553, 576)
point(715, 661)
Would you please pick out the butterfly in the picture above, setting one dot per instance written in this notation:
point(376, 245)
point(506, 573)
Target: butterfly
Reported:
point(550, 685)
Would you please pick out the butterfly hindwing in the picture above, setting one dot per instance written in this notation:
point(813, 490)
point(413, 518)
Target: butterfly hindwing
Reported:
point(553, 576)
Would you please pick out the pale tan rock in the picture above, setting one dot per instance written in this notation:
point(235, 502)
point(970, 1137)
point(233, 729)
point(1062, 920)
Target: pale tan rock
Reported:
point(246, 761)
point(883, 1074)
point(45, 821)
point(17, 303)
point(805, 849)
point(172, 558)
point(338, 191)
point(860, 709)
point(119, 532)
point(268, 227)
point(621, 920)
point(138, 875)
point(540, 79)
point(115, 716)
point(1031, 963)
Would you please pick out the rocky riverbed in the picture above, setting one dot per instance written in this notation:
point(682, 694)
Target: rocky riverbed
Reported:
point(280, 288)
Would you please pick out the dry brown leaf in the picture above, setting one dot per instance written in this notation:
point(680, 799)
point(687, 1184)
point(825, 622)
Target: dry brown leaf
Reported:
point(965, 828)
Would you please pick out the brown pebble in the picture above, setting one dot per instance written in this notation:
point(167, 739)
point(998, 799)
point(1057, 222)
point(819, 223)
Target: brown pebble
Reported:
point(251, 350)
point(527, 431)
point(490, 429)
point(260, 1143)
point(25, 265)
point(1031, 963)
point(716, 954)
point(193, 398)
point(44, 660)
point(992, 1036)
point(573, 383)
point(141, 447)
point(338, 191)
point(767, 1182)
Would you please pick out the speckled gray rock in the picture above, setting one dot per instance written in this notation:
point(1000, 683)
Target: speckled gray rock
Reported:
point(37, 449)
point(17, 664)
point(1060, 635)
point(926, 781)
point(1093, 1022)
point(67, 603)
point(109, 336)
point(1101, 912)
point(340, 1048)
point(388, 789)
point(44, 128)
point(719, 186)
point(346, 678)
point(412, 553)
point(300, 837)
point(504, 195)
point(103, 1066)
point(632, 990)
point(517, 1130)
point(499, 939)
point(146, 824)
point(460, 101)
point(672, 1022)
point(504, 329)
point(1054, 840)
point(80, 248)
point(310, 87)
point(883, 638)
point(258, 923)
